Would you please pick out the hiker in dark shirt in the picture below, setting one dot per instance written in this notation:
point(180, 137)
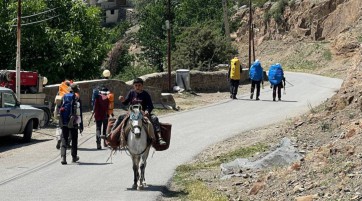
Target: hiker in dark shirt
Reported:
point(139, 96)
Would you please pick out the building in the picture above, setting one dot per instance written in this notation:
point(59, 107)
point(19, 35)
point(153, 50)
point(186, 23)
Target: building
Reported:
point(114, 10)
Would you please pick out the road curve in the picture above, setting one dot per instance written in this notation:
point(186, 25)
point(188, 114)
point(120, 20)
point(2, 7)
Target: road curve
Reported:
point(40, 176)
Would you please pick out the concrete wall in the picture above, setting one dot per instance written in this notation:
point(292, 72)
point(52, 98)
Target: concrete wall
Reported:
point(112, 18)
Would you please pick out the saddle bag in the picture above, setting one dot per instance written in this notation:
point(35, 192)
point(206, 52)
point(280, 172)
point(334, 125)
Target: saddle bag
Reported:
point(166, 135)
point(113, 138)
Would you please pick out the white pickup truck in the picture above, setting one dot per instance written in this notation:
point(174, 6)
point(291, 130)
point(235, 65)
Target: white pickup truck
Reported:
point(16, 118)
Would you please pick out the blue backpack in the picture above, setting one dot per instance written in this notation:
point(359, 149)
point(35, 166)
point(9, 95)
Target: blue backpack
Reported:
point(275, 74)
point(66, 109)
point(256, 71)
point(95, 95)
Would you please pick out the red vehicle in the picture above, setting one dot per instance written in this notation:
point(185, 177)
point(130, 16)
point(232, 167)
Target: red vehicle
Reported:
point(31, 89)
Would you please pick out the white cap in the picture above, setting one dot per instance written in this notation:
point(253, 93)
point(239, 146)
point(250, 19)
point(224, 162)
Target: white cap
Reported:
point(106, 73)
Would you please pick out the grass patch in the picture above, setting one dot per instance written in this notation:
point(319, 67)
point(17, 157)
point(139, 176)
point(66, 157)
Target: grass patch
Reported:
point(327, 55)
point(243, 152)
point(199, 191)
point(359, 39)
point(196, 189)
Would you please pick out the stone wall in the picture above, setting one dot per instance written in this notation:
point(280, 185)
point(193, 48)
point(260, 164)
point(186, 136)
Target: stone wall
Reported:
point(199, 81)
point(155, 84)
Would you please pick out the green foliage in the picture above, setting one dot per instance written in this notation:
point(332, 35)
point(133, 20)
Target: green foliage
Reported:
point(327, 55)
point(152, 33)
point(276, 11)
point(116, 31)
point(70, 45)
point(131, 72)
point(201, 47)
point(258, 3)
point(359, 39)
point(126, 68)
point(189, 12)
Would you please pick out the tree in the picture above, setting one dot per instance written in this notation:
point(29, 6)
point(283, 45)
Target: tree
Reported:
point(70, 45)
point(152, 33)
point(201, 47)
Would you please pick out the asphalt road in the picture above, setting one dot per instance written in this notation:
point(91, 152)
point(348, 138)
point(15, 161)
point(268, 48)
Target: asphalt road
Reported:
point(34, 172)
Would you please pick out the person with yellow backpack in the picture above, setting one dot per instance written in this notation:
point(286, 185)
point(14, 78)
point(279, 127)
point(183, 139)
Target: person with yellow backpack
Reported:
point(234, 75)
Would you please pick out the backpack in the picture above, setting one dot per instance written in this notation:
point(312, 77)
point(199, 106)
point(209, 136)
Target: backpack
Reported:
point(95, 95)
point(275, 74)
point(102, 107)
point(235, 69)
point(111, 103)
point(67, 107)
point(256, 72)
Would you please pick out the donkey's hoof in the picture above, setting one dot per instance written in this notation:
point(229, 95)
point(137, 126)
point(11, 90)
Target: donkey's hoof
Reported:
point(140, 187)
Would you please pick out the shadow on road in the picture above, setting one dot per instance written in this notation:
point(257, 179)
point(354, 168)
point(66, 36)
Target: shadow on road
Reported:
point(166, 192)
point(88, 149)
point(247, 99)
point(12, 142)
point(287, 101)
point(84, 163)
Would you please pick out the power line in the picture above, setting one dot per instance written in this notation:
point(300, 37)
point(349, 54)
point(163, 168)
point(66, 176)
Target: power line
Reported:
point(23, 17)
point(37, 21)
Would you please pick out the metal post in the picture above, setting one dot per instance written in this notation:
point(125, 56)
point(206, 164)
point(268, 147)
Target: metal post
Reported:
point(18, 78)
point(169, 44)
point(250, 23)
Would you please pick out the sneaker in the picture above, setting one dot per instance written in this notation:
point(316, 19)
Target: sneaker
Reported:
point(273, 99)
point(75, 159)
point(58, 145)
point(257, 98)
point(231, 96)
point(99, 146)
point(63, 161)
point(234, 97)
point(251, 96)
point(161, 141)
point(279, 99)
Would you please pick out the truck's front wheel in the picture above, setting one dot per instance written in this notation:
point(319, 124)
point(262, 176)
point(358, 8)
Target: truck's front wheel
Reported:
point(28, 131)
point(46, 116)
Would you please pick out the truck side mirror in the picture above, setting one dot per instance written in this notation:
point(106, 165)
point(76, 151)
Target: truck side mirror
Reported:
point(17, 103)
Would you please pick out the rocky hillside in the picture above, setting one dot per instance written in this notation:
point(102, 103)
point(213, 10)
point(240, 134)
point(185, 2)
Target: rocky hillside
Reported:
point(309, 35)
point(331, 134)
point(318, 36)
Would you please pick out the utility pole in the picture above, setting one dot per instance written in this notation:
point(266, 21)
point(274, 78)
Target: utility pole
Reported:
point(168, 27)
point(250, 32)
point(226, 20)
point(253, 38)
point(18, 62)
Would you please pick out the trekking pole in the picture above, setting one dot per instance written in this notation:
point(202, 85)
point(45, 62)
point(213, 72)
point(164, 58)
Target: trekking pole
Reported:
point(289, 83)
point(284, 87)
point(90, 119)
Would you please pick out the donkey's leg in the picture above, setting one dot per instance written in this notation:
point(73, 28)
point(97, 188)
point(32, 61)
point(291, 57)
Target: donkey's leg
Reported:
point(143, 167)
point(135, 160)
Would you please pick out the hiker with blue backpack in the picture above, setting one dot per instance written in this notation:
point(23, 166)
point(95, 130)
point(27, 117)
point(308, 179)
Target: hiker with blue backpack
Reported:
point(234, 74)
point(276, 79)
point(71, 120)
point(256, 77)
